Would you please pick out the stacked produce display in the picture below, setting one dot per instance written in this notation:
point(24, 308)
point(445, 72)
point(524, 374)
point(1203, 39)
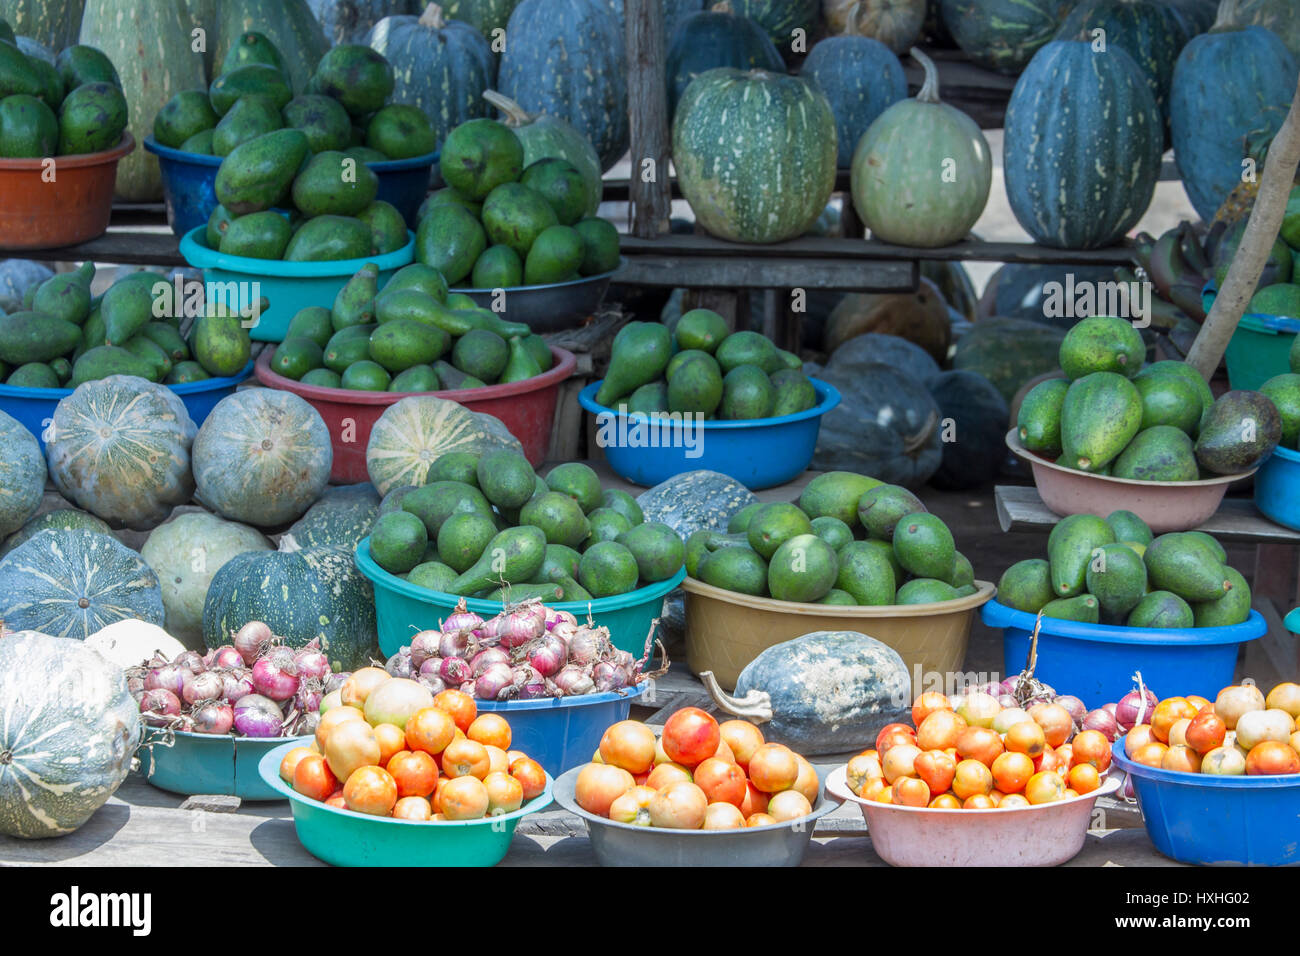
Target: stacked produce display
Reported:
point(67, 105)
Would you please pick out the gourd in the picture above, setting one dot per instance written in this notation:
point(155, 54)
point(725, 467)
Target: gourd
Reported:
point(341, 518)
point(1082, 146)
point(348, 21)
point(22, 474)
point(545, 136)
point(921, 317)
point(1280, 16)
point(415, 432)
point(921, 173)
point(713, 38)
point(485, 16)
point(328, 600)
point(1009, 352)
point(290, 26)
point(895, 23)
point(565, 57)
point(860, 78)
point(695, 501)
point(120, 448)
point(59, 518)
point(186, 553)
point(51, 23)
point(1003, 34)
point(755, 153)
point(824, 692)
point(262, 457)
point(784, 20)
point(150, 45)
point(980, 419)
point(442, 66)
point(72, 583)
point(68, 731)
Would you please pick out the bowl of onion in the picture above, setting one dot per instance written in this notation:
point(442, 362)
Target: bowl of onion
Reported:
point(213, 716)
point(559, 681)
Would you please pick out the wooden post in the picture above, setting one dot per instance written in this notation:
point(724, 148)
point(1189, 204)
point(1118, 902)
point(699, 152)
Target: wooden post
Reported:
point(650, 191)
point(1256, 242)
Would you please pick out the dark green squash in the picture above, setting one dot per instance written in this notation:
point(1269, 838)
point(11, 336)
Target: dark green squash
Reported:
point(289, 24)
point(782, 19)
point(341, 517)
point(22, 474)
point(485, 16)
point(861, 77)
point(348, 21)
point(1009, 352)
point(714, 38)
point(1082, 146)
point(977, 417)
point(1003, 35)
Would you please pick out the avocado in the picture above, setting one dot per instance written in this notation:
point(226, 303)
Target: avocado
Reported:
point(250, 117)
point(218, 222)
point(417, 378)
point(880, 508)
point(221, 344)
point(126, 308)
point(925, 591)
point(748, 348)
point(79, 65)
point(1186, 566)
point(739, 522)
point(607, 568)
point(65, 295)
point(463, 538)
point(322, 120)
point(601, 241)
point(106, 360)
point(450, 239)
point(420, 277)
point(734, 569)
point(657, 548)
point(365, 375)
point(1161, 453)
point(355, 75)
point(774, 524)
point(865, 573)
point(434, 503)
point(1284, 392)
point(313, 323)
point(499, 267)
point(1241, 429)
point(168, 339)
point(201, 142)
point(259, 235)
point(1026, 585)
point(561, 184)
point(803, 569)
point(1169, 400)
point(16, 73)
point(478, 156)
point(397, 542)
point(794, 393)
point(506, 478)
point(294, 358)
point(1084, 607)
point(559, 516)
point(329, 238)
point(1161, 609)
point(747, 393)
point(432, 575)
point(1070, 548)
point(28, 127)
point(626, 505)
point(399, 345)
point(554, 255)
point(515, 216)
point(258, 174)
point(183, 373)
point(640, 353)
point(1186, 373)
point(1129, 527)
point(578, 481)
point(250, 48)
point(1281, 298)
point(832, 530)
point(322, 378)
point(401, 131)
point(251, 78)
point(924, 546)
point(387, 227)
point(606, 525)
point(701, 329)
point(33, 375)
point(836, 493)
point(1102, 343)
point(1232, 608)
point(1101, 414)
point(332, 184)
point(91, 119)
point(355, 302)
point(520, 366)
point(1117, 577)
point(482, 354)
point(696, 387)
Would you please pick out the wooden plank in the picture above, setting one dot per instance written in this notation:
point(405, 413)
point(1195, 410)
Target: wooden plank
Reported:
point(1021, 509)
point(127, 247)
point(1271, 659)
point(650, 195)
point(731, 271)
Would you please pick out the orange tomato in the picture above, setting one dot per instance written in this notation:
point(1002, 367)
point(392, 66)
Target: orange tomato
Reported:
point(1181, 758)
point(313, 778)
point(1049, 759)
point(979, 743)
point(505, 793)
point(877, 788)
point(414, 772)
point(724, 752)
point(721, 782)
point(945, 801)
point(466, 758)
point(1150, 753)
point(979, 801)
point(629, 744)
point(1135, 738)
point(333, 718)
point(900, 761)
point(459, 705)
point(723, 816)
point(789, 805)
point(971, 778)
point(1206, 731)
point(754, 801)
point(940, 730)
point(691, 736)
point(530, 775)
point(1026, 738)
point(391, 739)
point(336, 800)
point(290, 762)
point(807, 782)
point(757, 820)
point(1013, 800)
point(1011, 771)
point(498, 762)
point(492, 730)
point(1045, 787)
point(464, 798)
point(633, 807)
point(1090, 747)
point(1271, 756)
point(371, 790)
point(862, 768)
point(1199, 703)
point(1167, 713)
point(666, 773)
point(351, 745)
point(927, 704)
point(892, 734)
point(773, 768)
point(597, 787)
point(430, 730)
point(742, 737)
point(412, 808)
point(937, 769)
point(996, 796)
point(1083, 778)
point(910, 792)
point(1055, 720)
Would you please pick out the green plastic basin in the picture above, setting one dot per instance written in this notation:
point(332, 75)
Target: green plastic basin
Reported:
point(211, 763)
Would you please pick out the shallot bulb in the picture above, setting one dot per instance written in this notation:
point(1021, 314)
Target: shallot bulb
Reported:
point(585, 646)
point(522, 625)
point(206, 686)
point(236, 683)
point(159, 705)
point(213, 717)
point(573, 680)
point(547, 654)
point(524, 674)
point(307, 723)
point(227, 656)
point(1103, 721)
point(555, 617)
point(249, 640)
point(273, 681)
point(432, 667)
point(534, 692)
point(455, 671)
point(308, 697)
point(310, 662)
point(608, 676)
point(334, 681)
point(495, 681)
point(169, 677)
point(423, 646)
point(486, 658)
point(433, 682)
point(461, 620)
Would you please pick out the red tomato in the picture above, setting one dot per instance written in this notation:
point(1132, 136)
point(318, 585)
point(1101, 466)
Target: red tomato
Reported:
point(313, 778)
point(629, 744)
point(936, 768)
point(690, 737)
point(491, 730)
point(371, 790)
point(466, 758)
point(721, 782)
point(430, 730)
point(530, 775)
point(414, 772)
point(459, 705)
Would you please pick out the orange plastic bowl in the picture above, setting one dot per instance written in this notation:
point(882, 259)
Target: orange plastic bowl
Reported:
point(72, 207)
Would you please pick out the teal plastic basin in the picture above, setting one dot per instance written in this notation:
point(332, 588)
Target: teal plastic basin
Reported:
point(1260, 347)
point(210, 763)
point(287, 287)
point(404, 609)
point(345, 838)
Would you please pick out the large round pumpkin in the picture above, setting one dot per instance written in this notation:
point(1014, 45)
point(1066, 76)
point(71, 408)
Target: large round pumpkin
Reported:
point(713, 38)
point(414, 433)
point(22, 474)
point(784, 20)
point(483, 15)
point(440, 65)
point(1280, 16)
point(58, 518)
point(895, 23)
point(73, 583)
point(120, 448)
point(921, 172)
point(1082, 148)
point(546, 137)
point(262, 457)
point(186, 553)
point(755, 153)
point(1003, 34)
point(861, 78)
point(68, 731)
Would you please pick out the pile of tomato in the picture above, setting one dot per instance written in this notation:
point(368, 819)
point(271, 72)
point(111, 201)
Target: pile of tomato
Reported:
point(390, 750)
point(697, 775)
point(1242, 732)
point(979, 755)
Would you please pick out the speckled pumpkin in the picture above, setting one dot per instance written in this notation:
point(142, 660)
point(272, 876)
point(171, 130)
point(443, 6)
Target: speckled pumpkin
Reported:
point(22, 474)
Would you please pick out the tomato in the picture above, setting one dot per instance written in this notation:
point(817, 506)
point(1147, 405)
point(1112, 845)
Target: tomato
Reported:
point(1149, 754)
point(979, 743)
point(430, 730)
point(893, 734)
point(466, 758)
point(690, 737)
point(290, 762)
point(1026, 738)
point(1182, 759)
point(1271, 756)
point(679, 806)
point(742, 737)
point(492, 730)
point(598, 785)
point(877, 790)
point(371, 790)
point(459, 705)
point(629, 744)
point(1285, 697)
point(971, 778)
point(513, 755)
point(391, 739)
point(940, 730)
point(465, 798)
point(414, 772)
point(351, 745)
point(978, 708)
point(936, 768)
point(1049, 759)
point(336, 800)
point(909, 792)
point(1198, 702)
point(1178, 732)
point(927, 704)
point(505, 793)
point(862, 768)
point(1013, 800)
point(759, 820)
point(996, 796)
point(755, 801)
point(724, 752)
point(1167, 713)
point(357, 688)
point(979, 801)
point(773, 768)
point(334, 718)
point(723, 816)
point(412, 808)
point(1135, 738)
point(1083, 778)
point(1011, 771)
point(666, 773)
point(1090, 747)
point(790, 805)
point(1239, 699)
point(313, 778)
point(632, 807)
point(721, 782)
point(1056, 722)
point(1224, 761)
point(945, 801)
point(530, 775)
point(807, 782)
point(498, 761)
point(1045, 787)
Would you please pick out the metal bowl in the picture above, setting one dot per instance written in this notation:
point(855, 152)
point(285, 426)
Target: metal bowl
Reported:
point(548, 308)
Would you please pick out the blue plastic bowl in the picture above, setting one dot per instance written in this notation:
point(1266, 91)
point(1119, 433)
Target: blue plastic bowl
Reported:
point(759, 453)
point(563, 732)
point(1096, 662)
point(207, 763)
point(286, 286)
point(1277, 487)
point(189, 184)
point(1217, 821)
point(34, 407)
point(402, 609)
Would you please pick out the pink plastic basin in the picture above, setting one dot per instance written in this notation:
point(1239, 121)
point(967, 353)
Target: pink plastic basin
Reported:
point(1048, 834)
point(526, 408)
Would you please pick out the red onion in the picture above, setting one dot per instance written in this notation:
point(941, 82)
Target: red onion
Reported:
point(1101, 720)
point(1130, 711)
point(308, 697)
point(554, 617)
point(399, 665)
point(236, 683)
point(585, 646)
point(272, 681)
point(213, 717)
point(227, 656)
point(310, 662)
point(533, 692)
point(453, 644)
point(1109, 708)
point(467, 688)
point(455, 671)
point(522, 625)
point(523, 674)
point(171, 677)
point(249, 640)
point(431, 667)
point(335, 681)
point(573, 680)
point(1077, 708)
point(992, 688)
point(564, 631)
point(423, 646)
point(307, 723)
point(433, 682)
point(1008, 700)
point(461, 620)
point(486, 658)
point(493, 682)
point(208, 658)
point(1008, 686)
point(192, 661)
point(258, 716)
point(608, 676)
point(547, 654)
point(158, 705)
point(206, 686)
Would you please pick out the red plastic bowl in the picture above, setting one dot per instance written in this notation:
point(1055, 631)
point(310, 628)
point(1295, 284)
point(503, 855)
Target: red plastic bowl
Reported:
point(526, 408)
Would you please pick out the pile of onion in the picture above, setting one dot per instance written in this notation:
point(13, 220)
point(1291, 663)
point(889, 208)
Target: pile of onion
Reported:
point(253, 687)
point(526, 652)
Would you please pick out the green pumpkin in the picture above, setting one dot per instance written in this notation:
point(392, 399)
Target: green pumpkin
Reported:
point(1003, 35)
point(59, 518)
point(755, 154)
point(342, 517)
point(290, 25)
point(548, 137)
point(22, 474)
point(921, 173)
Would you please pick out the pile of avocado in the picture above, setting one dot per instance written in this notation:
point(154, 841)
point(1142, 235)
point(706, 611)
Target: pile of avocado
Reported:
point(497, 225)
point(64, 336)
point(702, 368)
point(1278, 290)
point(849, 539)
point(1115, 571)
point(1284, 392)
point(294, 184)
point(1113, 415)
point(74, 105)
point(490, 527)
point(410, 336)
